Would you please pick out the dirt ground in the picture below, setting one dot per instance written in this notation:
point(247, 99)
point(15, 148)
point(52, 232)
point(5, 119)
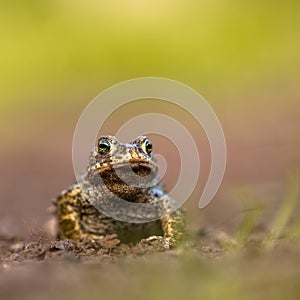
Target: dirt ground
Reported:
point(203, 267)
point(41, 268)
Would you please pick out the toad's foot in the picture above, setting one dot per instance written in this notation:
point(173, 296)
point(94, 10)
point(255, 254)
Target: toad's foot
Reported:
point(157, 240)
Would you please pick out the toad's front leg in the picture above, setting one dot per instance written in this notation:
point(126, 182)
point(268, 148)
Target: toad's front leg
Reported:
point(68, 213)
point(174, 228)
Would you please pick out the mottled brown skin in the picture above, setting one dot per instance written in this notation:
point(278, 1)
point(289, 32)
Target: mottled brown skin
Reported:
point(78, 218)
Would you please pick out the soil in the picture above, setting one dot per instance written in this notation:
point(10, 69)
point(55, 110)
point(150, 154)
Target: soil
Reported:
point(42, 249)
point(13, 251)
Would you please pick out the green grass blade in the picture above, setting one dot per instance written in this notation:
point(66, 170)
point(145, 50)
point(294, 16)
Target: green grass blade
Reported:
point(284, 213)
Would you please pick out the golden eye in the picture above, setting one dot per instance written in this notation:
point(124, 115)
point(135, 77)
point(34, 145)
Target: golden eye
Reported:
point(104, 146)
point(147, 146)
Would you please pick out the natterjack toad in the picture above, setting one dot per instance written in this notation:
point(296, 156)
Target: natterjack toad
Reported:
point(128, 172)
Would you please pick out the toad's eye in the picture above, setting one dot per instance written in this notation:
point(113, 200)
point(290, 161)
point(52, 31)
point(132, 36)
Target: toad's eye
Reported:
point(147, 146)
point(104, 146)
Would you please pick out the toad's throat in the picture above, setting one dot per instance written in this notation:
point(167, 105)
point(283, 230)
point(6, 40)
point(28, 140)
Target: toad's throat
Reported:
point(124, 186)
point(126, 181)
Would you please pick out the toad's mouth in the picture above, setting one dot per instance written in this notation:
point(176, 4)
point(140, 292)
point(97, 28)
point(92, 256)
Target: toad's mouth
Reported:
point(139, 167)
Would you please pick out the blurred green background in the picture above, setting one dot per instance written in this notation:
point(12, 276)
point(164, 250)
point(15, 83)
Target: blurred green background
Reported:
point(54, 47)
